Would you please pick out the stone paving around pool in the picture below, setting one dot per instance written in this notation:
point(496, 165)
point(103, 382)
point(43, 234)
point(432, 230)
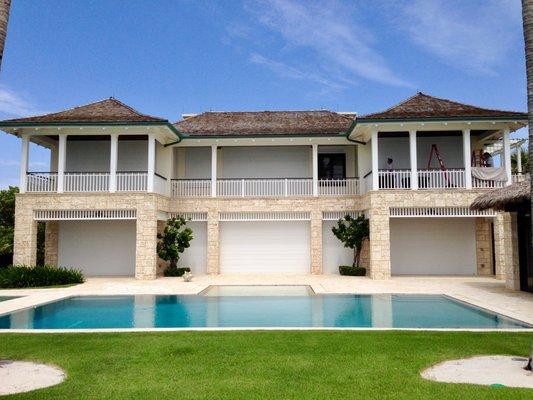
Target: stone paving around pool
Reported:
point(483, 292)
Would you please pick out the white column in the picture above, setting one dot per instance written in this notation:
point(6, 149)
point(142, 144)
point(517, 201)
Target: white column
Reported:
point(519, 160)
point(214, 170)
point(151, 162)
point(24, 163)
point(375, 172)
point(113, 159)
point(467, 158)
point(507, 155)
point(315, 170)
point(61, 160)
point(413, 159)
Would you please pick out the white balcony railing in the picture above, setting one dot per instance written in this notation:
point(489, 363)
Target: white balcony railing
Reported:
point(397, 179)
point(41, 182)
point(191, 187)
point(86, 181)
point(132, 181)
point(520, 177)
point(265, 187)
point(486, 184)
point(338, 187)
point(437, 179)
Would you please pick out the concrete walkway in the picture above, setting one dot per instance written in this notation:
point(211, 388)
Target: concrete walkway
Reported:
point(487, 293)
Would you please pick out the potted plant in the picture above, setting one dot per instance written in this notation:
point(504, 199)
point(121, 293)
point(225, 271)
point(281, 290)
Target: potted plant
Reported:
point(175, 238)
point(352, 232)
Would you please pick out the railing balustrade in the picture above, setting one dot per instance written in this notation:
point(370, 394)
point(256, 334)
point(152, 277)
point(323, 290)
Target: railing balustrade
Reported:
point(397, 179)
point(520, 177)
point(486, 184)
point(438, 179)
point(265, 187)
point(86, 181)
point(338, 187)
point(132, 181)
point(191, 187)
point(41, 182)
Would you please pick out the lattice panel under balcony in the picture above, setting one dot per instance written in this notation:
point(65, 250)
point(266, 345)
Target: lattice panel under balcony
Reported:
point(59, 215)
point(336, 215)
point(190, 216)
point(265, 216)
point(410, 212)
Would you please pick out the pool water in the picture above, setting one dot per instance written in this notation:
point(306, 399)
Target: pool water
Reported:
point(258, 290)
point(336, 311)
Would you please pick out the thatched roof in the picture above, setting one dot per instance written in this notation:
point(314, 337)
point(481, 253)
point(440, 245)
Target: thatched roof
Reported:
point(109, 110)
point(245, 123)
point(500, 199)
point(422, 106)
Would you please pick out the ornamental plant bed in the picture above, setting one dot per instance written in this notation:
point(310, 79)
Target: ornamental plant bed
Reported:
point(25, 276)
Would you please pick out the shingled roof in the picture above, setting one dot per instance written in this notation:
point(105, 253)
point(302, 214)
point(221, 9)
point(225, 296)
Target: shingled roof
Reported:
point(321, 122)
point(107, 111)
point(422, 106)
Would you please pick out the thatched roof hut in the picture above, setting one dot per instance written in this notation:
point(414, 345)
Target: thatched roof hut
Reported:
point(507, 198)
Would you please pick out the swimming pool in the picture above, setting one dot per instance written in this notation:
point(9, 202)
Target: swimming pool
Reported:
point(195, 311)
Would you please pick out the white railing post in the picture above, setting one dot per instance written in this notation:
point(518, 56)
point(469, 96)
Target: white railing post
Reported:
point(467, 158)
point(113, 158)
point(519, 160)
point(151, 162)
point(507, 155)
point(413, 159)
point(286, 187)
point(24, 163)
point(61, 161)
point(315, 170)
point(214, 170)
point(375, 170)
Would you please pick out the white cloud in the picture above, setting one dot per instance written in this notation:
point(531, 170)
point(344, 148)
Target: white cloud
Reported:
point(13, 104)
point(475, 36)
point(333, 35)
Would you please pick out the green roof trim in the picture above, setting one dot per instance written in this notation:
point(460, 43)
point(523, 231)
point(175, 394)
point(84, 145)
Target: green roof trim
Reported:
point(442, 119)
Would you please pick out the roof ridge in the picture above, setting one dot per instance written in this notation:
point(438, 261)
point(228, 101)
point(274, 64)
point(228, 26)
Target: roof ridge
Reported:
point(129, 108)
point(466, 104)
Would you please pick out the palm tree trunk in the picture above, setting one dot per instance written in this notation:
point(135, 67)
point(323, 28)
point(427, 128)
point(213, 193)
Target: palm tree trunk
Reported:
point(527, 16)
point(5, 5)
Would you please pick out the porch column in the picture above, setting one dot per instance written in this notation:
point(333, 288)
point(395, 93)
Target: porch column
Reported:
point(467, 158)
point(151, 162)
point(379, 221)
point(413, 159)
point(213, 245)
point(24, 163)
point(113, 163)
point(315, 170)
point(25, 234)
point(519, 160)
point(61, 160)
point(316, 242)
point(214, 170)
point(507, 155)
point(51, 243)
point(375, 171)
point(506, 249)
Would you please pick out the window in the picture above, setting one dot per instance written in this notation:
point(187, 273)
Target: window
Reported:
point(332, 166)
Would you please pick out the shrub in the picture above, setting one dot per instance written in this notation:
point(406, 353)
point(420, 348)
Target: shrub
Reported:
point(23, 276)
point(175, 271)
point(175, 238)
point(352, 232)
point(351, 270)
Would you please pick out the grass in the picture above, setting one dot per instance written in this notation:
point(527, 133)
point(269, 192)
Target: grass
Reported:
point(260, 365)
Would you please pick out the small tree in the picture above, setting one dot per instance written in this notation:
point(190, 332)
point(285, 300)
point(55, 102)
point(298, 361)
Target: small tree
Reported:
point(174, 240)
point(352, 232)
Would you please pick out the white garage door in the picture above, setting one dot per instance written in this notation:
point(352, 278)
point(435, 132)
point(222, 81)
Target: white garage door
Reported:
point(333, 251)
point(265, 247)
point(433, 246)
point(98, 247)
point(195, 257)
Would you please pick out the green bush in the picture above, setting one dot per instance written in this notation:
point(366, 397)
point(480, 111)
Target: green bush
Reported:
point(352, 271)
point(175, 271)
point(23, 276)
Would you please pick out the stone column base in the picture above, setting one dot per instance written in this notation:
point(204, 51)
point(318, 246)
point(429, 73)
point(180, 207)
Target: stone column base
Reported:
point(51, 243)
point(316, 242)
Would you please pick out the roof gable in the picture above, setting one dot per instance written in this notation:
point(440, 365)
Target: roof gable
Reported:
point(105, 111)
point(423, 106)
point(249, 123)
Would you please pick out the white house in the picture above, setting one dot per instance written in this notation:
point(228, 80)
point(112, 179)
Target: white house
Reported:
point(263, 189)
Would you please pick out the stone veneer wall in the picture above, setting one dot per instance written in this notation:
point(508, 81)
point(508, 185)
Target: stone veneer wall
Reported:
point(484, 246)
point(506, 249)
point(161, 264)
point(51, 243)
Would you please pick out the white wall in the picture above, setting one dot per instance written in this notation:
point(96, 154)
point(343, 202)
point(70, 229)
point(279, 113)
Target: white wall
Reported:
point(193, 162)
point(93, 155)
point(333, 251)
point(364, 159)
point(98, 247)
point(265, 162)
point(397, 148)
point(433, 246)
point(195, 257)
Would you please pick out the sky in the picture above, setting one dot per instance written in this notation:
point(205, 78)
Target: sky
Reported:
point(169, 57)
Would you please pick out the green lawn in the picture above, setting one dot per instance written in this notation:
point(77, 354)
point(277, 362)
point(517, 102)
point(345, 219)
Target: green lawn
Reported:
point(260, 365)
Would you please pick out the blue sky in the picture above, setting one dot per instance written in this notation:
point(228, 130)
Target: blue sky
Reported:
point(168, 57)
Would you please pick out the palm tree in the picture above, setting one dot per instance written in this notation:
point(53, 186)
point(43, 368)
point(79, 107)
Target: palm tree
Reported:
point(5, 5)
point(527, 17)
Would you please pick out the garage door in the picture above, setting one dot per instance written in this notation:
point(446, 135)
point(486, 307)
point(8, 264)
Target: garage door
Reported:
point(195, 257)
point(433, 246)
point(333, 251)
point(265, 247)
point(98, 247)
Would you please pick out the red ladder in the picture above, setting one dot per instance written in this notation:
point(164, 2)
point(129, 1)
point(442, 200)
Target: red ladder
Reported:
point(435, 150)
